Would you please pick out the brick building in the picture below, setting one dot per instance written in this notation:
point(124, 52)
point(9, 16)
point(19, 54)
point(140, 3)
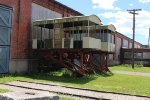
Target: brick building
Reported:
point(122, 41)
point(16, 17)
point(15, 27)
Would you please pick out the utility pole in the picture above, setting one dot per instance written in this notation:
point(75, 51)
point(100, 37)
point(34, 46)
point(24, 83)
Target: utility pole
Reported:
point(133, 11)
point(149, 39)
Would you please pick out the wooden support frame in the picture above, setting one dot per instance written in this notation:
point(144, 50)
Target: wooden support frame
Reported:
point(79, 61)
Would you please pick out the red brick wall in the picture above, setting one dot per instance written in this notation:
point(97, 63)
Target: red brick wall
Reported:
point(21, 20)
point(55, 7)
point(20, 27)
point(24, 28)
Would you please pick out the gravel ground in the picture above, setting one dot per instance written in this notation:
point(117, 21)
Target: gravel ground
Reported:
point(77, 92)
point(131, 73)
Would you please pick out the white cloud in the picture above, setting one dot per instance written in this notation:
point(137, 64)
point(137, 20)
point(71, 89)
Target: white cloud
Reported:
point(107, 15)
point(144, 1)
point(123, 22)
point(106, 5)
point(131, 5)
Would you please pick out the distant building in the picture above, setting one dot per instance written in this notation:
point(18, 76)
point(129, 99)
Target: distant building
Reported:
point(122, 41)
point(146, 46)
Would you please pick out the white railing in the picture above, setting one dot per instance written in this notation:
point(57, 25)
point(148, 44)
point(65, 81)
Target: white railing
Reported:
point(106, 46)
point(89, 42)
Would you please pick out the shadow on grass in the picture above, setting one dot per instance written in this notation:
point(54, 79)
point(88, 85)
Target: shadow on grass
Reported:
point(65, 78)
point(62, 79)
point(106, 74)
point(46, 77)
point(55, 77)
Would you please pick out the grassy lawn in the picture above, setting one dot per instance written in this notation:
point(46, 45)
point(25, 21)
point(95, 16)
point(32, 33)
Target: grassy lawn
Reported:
point(66, 98)
point(3, 91)
point(116, 83)
point(129, 68)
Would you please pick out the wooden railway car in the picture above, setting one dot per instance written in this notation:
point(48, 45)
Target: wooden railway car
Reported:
point(81, 43)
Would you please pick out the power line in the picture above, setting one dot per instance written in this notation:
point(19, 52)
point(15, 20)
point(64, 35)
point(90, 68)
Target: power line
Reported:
point(133, 11)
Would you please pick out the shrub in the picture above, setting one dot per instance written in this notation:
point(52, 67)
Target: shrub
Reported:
point(66, 72)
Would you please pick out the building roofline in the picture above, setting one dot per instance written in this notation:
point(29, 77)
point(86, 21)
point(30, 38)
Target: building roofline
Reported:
point(128, 37)
point(91, 18)
point(68, 7)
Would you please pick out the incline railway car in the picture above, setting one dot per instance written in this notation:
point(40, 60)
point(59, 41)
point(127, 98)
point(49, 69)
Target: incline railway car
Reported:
point(82, 40)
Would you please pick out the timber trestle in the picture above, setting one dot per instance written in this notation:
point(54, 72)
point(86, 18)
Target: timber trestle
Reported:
point(79, 61)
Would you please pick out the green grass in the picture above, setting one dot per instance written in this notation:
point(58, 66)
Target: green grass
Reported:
point(10, 78)
point(116, 83)
point(3, 90)
point(129, 68)
point(65, 98)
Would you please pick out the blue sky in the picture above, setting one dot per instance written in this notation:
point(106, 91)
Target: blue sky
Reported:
point(114, 12)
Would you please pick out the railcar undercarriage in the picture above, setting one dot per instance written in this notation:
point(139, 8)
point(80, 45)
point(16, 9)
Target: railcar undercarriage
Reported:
point(79, 61)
